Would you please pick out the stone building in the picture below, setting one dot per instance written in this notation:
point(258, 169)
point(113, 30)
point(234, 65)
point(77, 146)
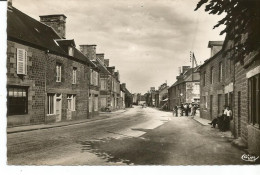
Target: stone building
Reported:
point(186, 89)
point(94, 82)
point(233, 82)
point(163, 96)
point(246, 107)
point(128, 101)
point(217, 77)
point(47, 77)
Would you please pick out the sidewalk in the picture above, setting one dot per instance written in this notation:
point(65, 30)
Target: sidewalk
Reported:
point(205, 122)
point(102, 116)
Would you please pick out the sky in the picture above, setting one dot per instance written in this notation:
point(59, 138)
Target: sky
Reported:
point(146, 40)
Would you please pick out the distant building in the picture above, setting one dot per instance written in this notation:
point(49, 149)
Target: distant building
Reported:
point(186, 89)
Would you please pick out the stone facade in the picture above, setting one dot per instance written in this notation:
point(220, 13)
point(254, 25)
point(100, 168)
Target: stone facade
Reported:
point(216, 84)
point(41, 80)
point(185, 89)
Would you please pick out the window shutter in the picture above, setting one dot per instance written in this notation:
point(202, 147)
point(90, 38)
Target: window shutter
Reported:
point(21, 61)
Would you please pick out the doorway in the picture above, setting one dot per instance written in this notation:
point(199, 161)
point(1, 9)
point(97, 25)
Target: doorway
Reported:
point(58, 107)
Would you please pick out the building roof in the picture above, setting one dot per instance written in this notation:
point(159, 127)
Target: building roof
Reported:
point(215, 43)
point(23, 28)
point(187, 77)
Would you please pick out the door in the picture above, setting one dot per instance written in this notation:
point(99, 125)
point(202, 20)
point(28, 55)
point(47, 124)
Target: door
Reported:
point(239, 114)
point(211, 106)
point(58, 107)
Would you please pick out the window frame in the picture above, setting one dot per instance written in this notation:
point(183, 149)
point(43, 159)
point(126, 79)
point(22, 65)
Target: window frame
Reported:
point(72, 99)
point(58, 72)
point(211, 75)
point(254, 100)
point(16, 97)
point(51, 106)
point(74, 75)
point(220, 78)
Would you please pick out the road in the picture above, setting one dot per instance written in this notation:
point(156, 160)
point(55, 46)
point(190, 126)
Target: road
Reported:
point(139, 136)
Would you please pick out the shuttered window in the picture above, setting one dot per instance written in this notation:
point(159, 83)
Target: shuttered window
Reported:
point(21, 61)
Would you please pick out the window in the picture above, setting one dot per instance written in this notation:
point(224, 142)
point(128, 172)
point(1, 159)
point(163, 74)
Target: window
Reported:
point(211, 75)
point(103, 84)
point(91, 76)
point(90, 103)
point(95, 78)
point(74, 75)
point(96, 103)
point(205, 102)
point(219, 103)
point(220, 72)
point(254, 103)
point(204, 78)
point(17, 101)
point(71, 102)
point(58, 72)
point(70, 51)
point(21, 61)
point(51, 103)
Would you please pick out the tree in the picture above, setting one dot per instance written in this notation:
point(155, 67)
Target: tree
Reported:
point(242, 23)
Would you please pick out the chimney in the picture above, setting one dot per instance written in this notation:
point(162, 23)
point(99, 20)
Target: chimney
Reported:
point(185, 68)
point(9, 3)
point(106, 61)
point(123, 85)
point(89, 51)
point(101, 57)
point(57, 22)
point(215, 46)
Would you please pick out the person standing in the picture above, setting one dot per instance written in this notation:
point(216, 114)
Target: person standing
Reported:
point(227, 118)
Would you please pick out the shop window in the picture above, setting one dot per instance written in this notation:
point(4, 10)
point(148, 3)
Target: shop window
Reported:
point(17, 100)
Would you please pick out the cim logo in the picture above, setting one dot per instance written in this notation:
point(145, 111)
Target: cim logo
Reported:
point(249, 158)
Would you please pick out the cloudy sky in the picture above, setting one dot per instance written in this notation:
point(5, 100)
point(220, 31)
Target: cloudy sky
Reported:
point(147, 40)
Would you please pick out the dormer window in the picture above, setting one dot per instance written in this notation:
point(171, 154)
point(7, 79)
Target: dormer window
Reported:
point(70, 51)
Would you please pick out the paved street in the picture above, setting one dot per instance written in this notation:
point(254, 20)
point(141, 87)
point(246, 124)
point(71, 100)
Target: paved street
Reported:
point(139, 136)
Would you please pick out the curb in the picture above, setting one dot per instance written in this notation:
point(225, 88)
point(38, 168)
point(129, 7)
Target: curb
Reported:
point(62, 125)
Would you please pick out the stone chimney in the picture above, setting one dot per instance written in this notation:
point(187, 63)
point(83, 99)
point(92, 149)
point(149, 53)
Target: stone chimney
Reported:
point(101, 57)
point(57, 22)
point(106, 61)
point(9, 3)
point(89, 51)
point(123, 85)
point(215, 46)
point(185, 68)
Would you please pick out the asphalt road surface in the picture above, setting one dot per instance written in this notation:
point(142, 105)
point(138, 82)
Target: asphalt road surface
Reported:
point(139, 136)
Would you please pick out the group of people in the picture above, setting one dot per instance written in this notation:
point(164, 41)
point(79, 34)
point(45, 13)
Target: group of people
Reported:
point(223, 120)
point(186, 109)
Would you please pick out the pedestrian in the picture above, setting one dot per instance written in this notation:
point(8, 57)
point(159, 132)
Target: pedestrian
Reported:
point(175, 111)
point(193, 110)
point(186, 109)
point(190, 110)
point(227, 117)
point(182, 109)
